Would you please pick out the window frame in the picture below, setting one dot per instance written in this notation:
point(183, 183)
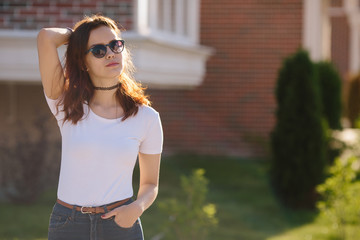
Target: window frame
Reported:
point(147, 20)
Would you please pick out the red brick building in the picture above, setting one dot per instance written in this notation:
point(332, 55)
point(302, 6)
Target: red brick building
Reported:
point(211, 66)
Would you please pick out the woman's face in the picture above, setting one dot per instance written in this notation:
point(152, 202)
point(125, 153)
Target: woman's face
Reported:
point(103, 71)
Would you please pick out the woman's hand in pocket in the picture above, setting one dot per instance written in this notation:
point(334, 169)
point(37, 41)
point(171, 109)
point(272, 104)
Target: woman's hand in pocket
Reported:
point(125, 216)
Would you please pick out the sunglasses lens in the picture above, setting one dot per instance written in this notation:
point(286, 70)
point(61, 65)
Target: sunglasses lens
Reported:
point(116, 46)
point(99, 51)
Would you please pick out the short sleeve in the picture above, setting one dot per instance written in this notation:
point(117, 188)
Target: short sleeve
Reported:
point(153, 140)
point(59, 115)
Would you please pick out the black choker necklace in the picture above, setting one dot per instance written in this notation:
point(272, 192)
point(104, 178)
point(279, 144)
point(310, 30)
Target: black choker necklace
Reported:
point(107, 88)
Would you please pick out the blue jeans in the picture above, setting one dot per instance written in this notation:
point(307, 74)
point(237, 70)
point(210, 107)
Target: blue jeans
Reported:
point(68, 224)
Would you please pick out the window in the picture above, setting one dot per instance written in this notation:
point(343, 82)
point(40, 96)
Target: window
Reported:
point(175, 20)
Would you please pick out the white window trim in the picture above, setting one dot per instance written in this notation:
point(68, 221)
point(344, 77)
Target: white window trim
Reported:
point(167, 57)
point(351, 9)
point(146, 21)
point(19, 61)
point(164, 64)
point(160, 64)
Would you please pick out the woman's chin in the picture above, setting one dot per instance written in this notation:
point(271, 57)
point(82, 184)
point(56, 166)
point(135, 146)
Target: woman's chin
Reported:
point(114, 75)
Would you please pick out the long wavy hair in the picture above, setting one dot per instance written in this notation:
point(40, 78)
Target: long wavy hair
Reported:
point(78, 88)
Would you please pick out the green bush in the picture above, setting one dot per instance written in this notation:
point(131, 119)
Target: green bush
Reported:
point(341, 195)
point(298, 140)
point(353, 100)
point(330, 88)
point(190, 217)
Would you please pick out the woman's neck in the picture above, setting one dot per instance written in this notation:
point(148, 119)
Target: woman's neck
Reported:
point(105, 104)
point(104, 98)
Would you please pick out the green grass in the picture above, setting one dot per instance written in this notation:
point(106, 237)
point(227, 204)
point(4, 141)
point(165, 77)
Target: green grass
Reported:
point(246, 205)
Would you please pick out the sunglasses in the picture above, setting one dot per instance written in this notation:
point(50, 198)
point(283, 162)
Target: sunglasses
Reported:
point(99, 50)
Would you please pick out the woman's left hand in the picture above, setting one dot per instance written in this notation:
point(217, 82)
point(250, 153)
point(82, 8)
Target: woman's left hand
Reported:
point(125, 216)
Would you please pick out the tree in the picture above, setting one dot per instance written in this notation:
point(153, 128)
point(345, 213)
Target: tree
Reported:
point(298, 140)
point(330, 87)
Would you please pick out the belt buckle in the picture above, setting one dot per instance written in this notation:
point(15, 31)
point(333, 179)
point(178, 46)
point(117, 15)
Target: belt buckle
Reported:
point(82, 211)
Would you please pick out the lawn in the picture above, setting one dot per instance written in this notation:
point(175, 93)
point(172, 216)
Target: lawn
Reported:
point(247, 208)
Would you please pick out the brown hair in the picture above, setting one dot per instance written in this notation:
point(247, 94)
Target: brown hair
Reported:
point(78, 88)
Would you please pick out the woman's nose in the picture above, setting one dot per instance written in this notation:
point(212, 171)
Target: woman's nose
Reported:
point(109, 53)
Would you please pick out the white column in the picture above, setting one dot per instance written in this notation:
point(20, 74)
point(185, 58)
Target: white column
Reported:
point(179, 17)
point(354, 50)
point(316, 29)
point(352, 11)
point(326, 31)
point(193, 10)
point(141, 17)
point(153, 14)
point(167, 12)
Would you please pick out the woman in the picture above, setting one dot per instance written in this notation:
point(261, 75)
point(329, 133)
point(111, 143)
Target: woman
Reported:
point(106, 123)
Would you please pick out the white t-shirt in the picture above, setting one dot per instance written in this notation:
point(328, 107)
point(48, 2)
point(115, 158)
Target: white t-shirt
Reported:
point(98, 154)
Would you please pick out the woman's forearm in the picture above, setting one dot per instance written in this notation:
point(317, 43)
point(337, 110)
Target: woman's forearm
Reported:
point(51, 71)
point(146, 196)
point(56, 36)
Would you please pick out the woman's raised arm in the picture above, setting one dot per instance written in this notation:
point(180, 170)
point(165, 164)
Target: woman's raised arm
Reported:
point(51, 71)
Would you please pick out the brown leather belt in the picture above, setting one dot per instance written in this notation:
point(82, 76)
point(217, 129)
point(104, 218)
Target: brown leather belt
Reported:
point(93, 210)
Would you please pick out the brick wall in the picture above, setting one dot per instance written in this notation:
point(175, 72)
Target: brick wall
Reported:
point(35, 14)
point(232, 112)
point(21, 107)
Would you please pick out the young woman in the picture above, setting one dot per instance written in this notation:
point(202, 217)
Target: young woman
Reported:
point(106, 123)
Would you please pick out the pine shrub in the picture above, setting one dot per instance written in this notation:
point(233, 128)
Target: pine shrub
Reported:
point(353, 100)
point(298, 140)
point(330, 88)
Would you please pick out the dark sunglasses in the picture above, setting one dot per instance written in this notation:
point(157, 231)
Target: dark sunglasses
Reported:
point(99, 50)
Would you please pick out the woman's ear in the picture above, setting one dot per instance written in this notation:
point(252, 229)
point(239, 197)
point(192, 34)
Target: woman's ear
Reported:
point(84, 67)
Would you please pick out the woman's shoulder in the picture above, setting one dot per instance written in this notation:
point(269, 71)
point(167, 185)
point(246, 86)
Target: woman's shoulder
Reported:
point(147, 111)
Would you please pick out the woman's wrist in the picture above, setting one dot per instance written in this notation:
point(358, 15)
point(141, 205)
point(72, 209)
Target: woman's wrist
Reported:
point(70, 29)
point(56, 36)
point(137, 207)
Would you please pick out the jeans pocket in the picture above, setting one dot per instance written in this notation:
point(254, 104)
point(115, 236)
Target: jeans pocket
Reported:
point(113, 231)
point(125, 228)
point(58, 221)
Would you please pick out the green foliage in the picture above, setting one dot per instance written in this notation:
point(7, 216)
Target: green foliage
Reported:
point(341, 195)
point(190, 217)
point(353, 100)
point(330, 88)
point(356, 123)
point(298, 140)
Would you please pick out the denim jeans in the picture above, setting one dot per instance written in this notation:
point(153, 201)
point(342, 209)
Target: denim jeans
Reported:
point(68, 224)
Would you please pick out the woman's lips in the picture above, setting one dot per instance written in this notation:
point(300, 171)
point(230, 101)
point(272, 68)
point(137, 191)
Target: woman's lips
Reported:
point(112, 64)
